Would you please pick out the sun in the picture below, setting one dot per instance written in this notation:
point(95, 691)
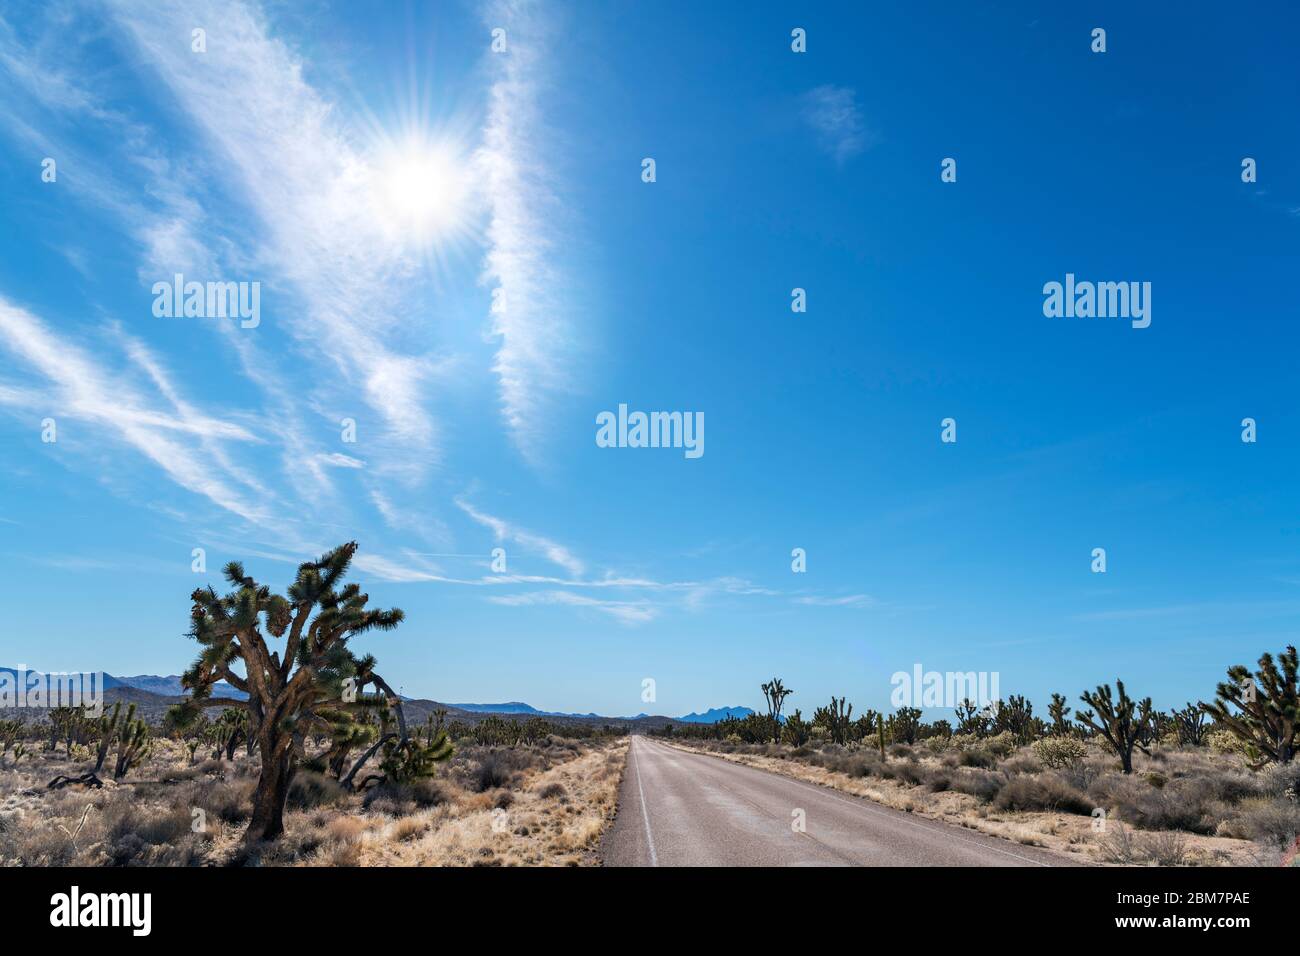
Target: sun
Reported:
point(421, 191)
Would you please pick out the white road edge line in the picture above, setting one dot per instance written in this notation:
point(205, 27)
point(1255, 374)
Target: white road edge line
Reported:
point(654, 860)
point(866, 807)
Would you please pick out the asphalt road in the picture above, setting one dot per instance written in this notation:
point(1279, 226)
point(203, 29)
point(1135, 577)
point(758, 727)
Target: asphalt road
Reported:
point(686, 809)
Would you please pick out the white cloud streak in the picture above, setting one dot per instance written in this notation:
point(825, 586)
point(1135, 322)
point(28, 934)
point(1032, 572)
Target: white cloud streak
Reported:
point(504, 531)
point(833, 114)
point(533, 327)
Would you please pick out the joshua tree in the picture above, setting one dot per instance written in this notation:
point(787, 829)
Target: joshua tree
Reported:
point(971, 719)
point(10, 730)
point(775, 693)
point(1190, 724)
point(71, 725)
point(836, 718)
point(1060, 715)
point(797, 730)
point(108, 728)
point(1115, 721)
point(133, 744)
point(1267, 708)
point(904, 724)
point(1015, 715)
point(295, 691)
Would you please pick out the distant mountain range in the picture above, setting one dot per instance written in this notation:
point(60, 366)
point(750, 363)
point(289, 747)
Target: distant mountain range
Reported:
point(716, 714)
point(519, 707)
point(164, 686)
point(170, 687)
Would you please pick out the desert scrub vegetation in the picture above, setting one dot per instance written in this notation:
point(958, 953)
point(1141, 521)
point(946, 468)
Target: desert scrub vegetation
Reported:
point(1120, 782)
point(549, 807)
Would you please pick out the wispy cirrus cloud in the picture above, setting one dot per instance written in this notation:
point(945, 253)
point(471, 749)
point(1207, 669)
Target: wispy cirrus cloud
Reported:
point(504, 531)
point(64, 381)
point(833, 114)
point(848, 600)
point(529, 319)
point(626, 612)
point(291, 159)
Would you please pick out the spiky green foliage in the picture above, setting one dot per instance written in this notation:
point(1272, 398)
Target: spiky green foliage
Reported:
point(300, 688)
point(134, 743)
point(415, 757)
point(971, 719)
point(1262, 711)
point(903, 725)
point(775, 693)
point(864, 728)
point(796, 730)
point(1060, 714)
point(72, 726)
point(107, 730)
point(10, 731)
point(1190, 725)
point(837, 718)
point(1015, 716)
point(1116, 720)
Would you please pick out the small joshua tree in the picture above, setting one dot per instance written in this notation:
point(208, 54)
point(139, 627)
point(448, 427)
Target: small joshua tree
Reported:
point(971, 719)
point(797, 730)
point(134, 743)
point(1060, 715)
point(775, 693)
point(837, 718)
point(1190, 724)
point(1262, 712)
point(1115, 720)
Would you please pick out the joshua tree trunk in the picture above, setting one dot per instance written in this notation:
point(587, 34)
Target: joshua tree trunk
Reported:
point(267, 822)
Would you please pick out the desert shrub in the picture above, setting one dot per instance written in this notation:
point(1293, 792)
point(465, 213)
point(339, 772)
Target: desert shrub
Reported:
point(854, 765)
point(309, 790)
point(408, 828)
point(939, 782)
point(503, 800)
point(937, 744)
point(1225, 742)
point(397, 799)
point(908, 771)
point(1273, 822)
point(552, 791)
point(1117, 844)
point(1001, 744)
point(977, 782)
point(900, 750)
point(147, 837)
point(1060, 753)
point(963, 741)
point(1020, 763)
point(425, 793)
point(1157, 780)
point(1279, 778)
point(493, 771)
point(1193, 804)
point(1044, 791)
point(976, 758)
point(228, 802)
point(1165, 849)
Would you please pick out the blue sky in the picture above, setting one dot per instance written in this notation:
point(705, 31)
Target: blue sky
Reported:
point(283, 154)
